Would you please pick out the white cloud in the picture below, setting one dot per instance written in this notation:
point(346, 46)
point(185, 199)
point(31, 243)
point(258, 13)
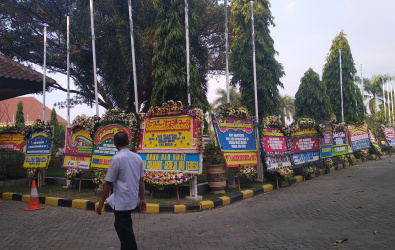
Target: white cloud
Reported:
point(291, 5)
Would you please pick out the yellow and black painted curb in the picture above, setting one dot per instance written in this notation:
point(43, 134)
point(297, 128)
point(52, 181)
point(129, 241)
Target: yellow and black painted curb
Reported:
point(151, 208)
point(159, 208)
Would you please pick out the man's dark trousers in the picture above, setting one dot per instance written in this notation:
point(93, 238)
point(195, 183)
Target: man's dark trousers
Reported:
point(124, 226)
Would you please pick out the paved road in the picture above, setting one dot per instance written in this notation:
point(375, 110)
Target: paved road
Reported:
point(356, 203)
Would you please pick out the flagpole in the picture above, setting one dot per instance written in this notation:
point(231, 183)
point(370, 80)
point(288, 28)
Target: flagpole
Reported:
point(226, 52)
point(385, 111)
point(341, 83)
point(68, 71)
point(392, 103)
point(94, 56)
point(45, 69)
point(260, 167)
point(133, 57)
point(388, 101)
point(187, 49)
point(193, 192)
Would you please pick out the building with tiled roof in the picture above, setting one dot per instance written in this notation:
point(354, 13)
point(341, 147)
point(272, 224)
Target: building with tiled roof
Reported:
point(17, 79)
point(32, 110)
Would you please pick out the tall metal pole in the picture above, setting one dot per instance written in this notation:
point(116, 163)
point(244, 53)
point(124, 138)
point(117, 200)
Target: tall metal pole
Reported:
point(260, 167)
point(341, 83)
point(45, 69)
point(133, 57)
point(385, 112)
point(254, 61)
point(392, 103)
point(68, 71)
point(388, 101)
point(193, 183)
point(226, 52)
point(187, 49)
point(94, 56)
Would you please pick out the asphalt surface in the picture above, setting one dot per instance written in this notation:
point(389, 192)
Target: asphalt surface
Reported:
point(355, 203)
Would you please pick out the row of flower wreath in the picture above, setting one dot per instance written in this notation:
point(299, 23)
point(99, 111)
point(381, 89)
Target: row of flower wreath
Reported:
point(132, 121)
point(154, 178)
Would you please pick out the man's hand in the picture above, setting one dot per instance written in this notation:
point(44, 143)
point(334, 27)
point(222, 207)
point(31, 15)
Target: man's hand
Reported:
point(143, 206)
point(99, 208)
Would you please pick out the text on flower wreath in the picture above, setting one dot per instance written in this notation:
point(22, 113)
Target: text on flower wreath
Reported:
point(108, 132)
point(171, 162)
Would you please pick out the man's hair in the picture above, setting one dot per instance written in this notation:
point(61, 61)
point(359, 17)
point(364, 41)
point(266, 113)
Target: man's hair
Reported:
point(121, 139)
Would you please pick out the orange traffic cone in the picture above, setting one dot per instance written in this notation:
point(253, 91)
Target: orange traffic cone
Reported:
point(34, 200)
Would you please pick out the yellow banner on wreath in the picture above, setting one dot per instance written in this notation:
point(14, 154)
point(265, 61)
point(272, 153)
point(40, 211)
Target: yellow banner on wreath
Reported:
point(241, 159)
point(101, 161)
point(36, 161)
point(79, 162)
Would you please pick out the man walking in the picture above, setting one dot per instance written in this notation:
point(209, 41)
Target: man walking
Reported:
point(126, 176)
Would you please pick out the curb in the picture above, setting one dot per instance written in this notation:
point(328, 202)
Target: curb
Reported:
point(151, 208)
point(159, 208)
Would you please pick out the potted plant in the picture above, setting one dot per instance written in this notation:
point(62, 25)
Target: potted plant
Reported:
point(216, 168)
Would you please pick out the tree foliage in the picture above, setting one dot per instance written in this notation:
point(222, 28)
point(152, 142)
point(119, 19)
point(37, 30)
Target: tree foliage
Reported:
point(58, 135)
point(287, 107)
point(234, 96)
point(169, 70)
point(311, 99)
point(354, 110)
point(269, 70)
point(19, 117)
point(21, 38)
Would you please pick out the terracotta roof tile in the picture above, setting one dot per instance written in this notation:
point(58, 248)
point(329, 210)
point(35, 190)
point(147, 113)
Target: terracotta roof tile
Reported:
point(14, 70)
point(32, 110)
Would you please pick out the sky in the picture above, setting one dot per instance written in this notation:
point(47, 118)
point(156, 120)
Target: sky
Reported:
point(303, 34)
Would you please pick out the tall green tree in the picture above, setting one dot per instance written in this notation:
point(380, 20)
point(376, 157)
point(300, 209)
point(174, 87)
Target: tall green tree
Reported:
point(19, 117)
point(56, 143)
point(268, 69)
point(169, 59)
point(353, 107)
point(311, 99)
point(21, 37)
point(287, 106)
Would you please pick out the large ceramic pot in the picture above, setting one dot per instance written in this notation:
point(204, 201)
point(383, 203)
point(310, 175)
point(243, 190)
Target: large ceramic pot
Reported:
point(216, 176)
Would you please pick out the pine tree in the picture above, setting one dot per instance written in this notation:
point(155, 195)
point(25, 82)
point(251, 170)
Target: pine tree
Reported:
point(311, 99)
point(268, 69)
point(19, 117)
point(56, 143)
point(353, 107)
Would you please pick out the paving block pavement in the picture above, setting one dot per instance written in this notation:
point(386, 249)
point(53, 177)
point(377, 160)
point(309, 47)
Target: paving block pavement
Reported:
point(354, 203)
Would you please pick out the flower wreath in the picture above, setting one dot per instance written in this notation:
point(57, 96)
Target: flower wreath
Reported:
point(247, 172)
point(275, 121)
point(229, 111)
point(80, 121)
point(38, 125)
point(339, 127)
point(10, 129)
point(131, 120)
point(73, 173)
point(176, 108)
point(157, 178)
point(285, 174)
